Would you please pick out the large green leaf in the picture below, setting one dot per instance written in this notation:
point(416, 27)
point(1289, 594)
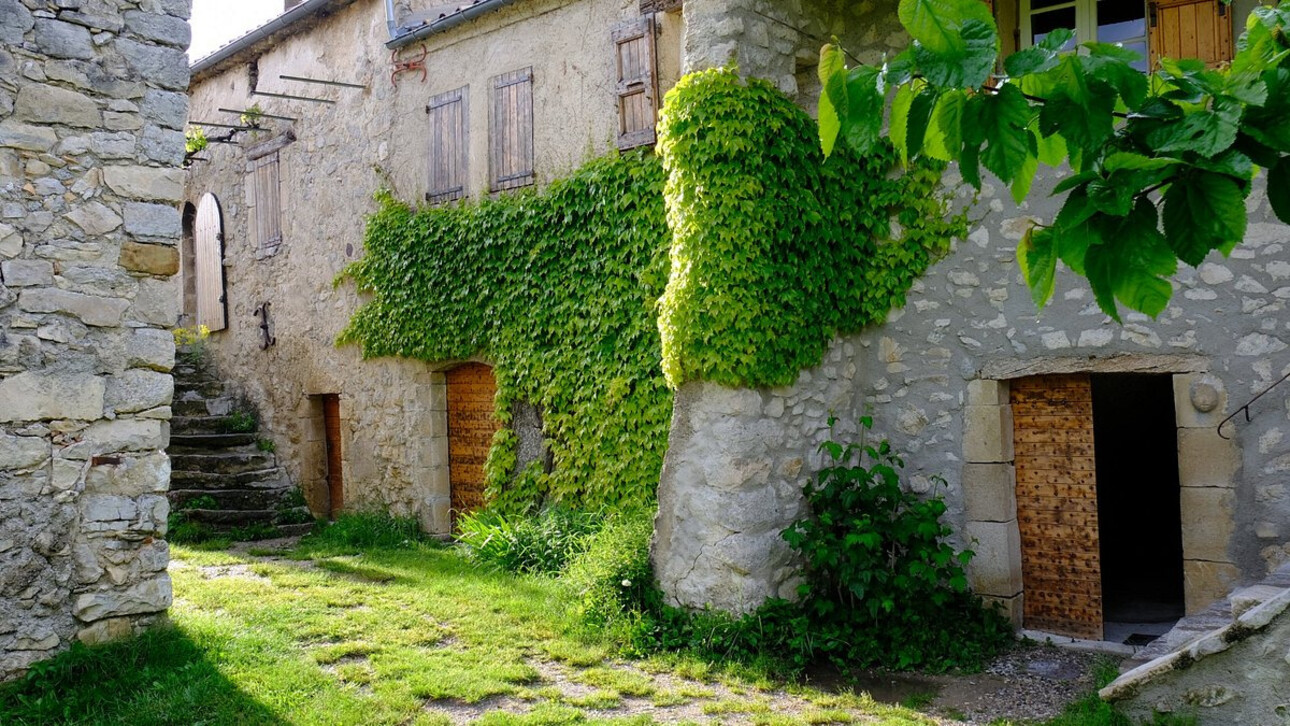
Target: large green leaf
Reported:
point(1203, 211)
point(937, 24)
point(1037, 258)
point(944, 138)
point(898, 131)
point(833, 98)
point(1040, 56)
point(920, 113)
point(862, 123)
point(1004, 119)
point(1144, 259)
point(1207, 132)
point(1279, 189)
point(969, 67)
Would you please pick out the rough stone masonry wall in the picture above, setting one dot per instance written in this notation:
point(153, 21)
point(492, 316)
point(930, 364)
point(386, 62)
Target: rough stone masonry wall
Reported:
point(928, 377)
point(92, 107)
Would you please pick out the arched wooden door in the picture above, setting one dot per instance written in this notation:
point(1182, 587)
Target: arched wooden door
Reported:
point(471, 425)
point(210, 264)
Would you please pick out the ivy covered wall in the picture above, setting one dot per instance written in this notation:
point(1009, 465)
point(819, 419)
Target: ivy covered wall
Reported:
point(735, 259)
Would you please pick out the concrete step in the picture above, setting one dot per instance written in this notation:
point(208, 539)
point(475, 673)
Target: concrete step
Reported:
point(271, 478)
point(229, 499)
point(224, 462)
point(194, 443)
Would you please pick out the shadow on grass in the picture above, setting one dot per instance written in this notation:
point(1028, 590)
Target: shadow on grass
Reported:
point(160, 677)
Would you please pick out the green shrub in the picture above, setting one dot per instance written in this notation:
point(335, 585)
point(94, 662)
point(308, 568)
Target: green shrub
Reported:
point(354, 532)
point(537, 544)
point(883, 585)
point(241, 421)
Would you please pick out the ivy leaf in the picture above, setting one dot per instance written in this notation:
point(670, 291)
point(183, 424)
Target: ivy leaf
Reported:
point(1037, 258)
point(1004, 118)
point(1279, 189)
point(1202, 212)
point(832, 72)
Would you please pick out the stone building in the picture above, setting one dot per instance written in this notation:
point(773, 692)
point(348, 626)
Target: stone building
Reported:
point(92, 111)
point(1080, 458)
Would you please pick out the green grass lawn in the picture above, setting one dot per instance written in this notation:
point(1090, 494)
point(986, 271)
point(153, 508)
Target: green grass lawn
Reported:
point(407, 634)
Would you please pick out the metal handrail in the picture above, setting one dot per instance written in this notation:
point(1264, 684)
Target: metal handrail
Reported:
point(1246, 407)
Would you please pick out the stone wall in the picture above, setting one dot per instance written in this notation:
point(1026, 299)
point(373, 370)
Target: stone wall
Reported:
point(92, 108)
point(394, 416)
point(931, 377)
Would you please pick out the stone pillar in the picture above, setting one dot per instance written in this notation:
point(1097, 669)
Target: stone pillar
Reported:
point(759, 35)
point(1207, 468)
point(990, 497)
point(92, 110)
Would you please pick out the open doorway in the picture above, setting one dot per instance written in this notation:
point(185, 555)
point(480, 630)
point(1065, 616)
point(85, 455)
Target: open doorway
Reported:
point(1138, 505)
point(335, 471)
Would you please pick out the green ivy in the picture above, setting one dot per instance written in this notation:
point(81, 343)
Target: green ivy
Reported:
point(567, 291)
point(775, 252)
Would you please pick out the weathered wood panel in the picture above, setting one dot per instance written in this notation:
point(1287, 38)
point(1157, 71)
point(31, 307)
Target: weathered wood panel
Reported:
point(510, 149)
point(471, 425)
point(335, 471)
point(209, 267)
point(636, 84)
point(1057, 504)
point(268, 206)
point(449, 145)
point(1190, 29)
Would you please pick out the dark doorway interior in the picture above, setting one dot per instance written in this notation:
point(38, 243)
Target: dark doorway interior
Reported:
point(1139, 516)
point(335, 474)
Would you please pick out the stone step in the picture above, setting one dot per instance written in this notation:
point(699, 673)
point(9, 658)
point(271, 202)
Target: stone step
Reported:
point(183, 443)
point(295, 530)
point(229, 518)
point(192, 406)
point(182, 424)
point(230, 462)
point(209, 388)
point(272, 478)
point(230, 499)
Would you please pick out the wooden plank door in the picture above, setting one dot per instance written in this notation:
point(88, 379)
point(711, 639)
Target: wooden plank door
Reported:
point(1057, 504)
point(471, 425)
point(209, 241)
point(335, 471)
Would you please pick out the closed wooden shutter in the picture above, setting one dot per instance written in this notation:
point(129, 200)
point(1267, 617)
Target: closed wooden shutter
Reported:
point(209, 257)
point(1190, 29)
point(471, 425)
point(268, 207)
point(511, 126)
point(1057, 504)
point(449, 145)
point(636, 86)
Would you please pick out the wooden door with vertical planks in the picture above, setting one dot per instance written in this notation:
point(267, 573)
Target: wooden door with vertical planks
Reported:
point(335, 473)
point(471, 425)
point(1057, 504)
point(209, 243)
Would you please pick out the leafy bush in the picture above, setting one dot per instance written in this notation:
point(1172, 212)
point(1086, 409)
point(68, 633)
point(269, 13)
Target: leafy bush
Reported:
point(883, 585)
point(354, 532)
point(241, 421)
point(537, 544)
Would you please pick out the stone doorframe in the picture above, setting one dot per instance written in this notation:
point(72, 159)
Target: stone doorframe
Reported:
point(1207, 467)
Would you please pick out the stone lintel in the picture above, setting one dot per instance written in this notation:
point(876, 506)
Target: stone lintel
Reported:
point(1008, 368)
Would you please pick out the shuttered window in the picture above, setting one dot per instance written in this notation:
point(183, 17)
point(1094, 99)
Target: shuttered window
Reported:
point(449, 145)
point(1158, 29)
point(208, 243)
point(511, 131)
point(268, 205)
point(636, 88)
point(1191, 29)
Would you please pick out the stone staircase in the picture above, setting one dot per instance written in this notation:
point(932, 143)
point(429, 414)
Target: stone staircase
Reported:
point(1225, 665)
point(220, 477)
point(1216, 617)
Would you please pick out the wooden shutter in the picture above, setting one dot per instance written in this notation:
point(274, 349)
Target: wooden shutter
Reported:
point(268, 208)
point(209, 244)
point(449, 145)
point(511, 126)
point(1190, 29)
point(636, 86)
point(335, 471)
point(1061, 567)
